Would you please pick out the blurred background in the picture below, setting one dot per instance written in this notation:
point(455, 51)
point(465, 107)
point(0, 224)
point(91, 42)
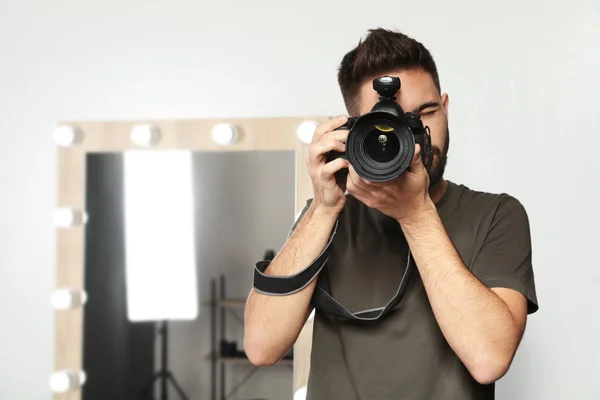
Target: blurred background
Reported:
point(524, 119)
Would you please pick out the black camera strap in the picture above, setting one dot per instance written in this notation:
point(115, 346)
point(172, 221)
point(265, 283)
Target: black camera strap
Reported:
point(322, 298)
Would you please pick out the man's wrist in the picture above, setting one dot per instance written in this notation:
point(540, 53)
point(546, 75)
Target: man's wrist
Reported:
point(325, 212)
point(419, 217)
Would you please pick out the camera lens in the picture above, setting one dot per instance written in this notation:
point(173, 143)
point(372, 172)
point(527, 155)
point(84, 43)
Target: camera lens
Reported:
point(380, 148)
point(382, 145)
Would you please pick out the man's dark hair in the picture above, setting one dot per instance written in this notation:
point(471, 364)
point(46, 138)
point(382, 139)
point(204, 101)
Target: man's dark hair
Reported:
point(381, 52)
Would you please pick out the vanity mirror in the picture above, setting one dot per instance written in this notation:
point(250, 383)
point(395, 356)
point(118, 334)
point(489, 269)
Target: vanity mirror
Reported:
point(158, 225)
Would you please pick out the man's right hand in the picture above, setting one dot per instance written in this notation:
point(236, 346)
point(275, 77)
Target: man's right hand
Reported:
point(328, 194)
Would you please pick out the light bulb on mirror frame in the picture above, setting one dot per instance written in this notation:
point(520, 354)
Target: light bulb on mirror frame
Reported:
point(224, 134)
point(68, 299)
point(300, 394)
point(66, 217)
point(145, 135)
point(67, 136)
point(306, 131)
point(66, 380)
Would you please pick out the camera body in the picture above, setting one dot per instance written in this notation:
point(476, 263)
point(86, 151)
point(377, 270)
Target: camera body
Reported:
point(381, 143)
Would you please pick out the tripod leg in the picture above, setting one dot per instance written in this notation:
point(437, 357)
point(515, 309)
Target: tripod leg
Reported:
point(178, 388)
point(148, 388)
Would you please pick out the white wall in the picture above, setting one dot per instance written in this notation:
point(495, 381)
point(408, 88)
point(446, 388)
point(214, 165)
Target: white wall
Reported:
point(523, 81)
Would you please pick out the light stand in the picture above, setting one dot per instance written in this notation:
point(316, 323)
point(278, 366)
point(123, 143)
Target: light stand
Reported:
point(164, 374)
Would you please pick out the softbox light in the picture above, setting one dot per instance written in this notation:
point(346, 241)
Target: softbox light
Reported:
point(160, 250)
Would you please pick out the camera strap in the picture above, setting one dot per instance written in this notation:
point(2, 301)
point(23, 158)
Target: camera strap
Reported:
point(322, 299)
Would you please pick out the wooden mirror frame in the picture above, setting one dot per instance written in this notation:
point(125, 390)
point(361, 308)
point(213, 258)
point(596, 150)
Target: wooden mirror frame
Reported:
point(254, 134)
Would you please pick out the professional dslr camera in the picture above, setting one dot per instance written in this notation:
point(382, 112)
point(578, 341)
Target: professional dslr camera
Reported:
point(381, 143)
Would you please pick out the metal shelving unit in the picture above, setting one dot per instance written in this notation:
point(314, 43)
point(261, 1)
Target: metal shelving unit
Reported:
point(220, 305)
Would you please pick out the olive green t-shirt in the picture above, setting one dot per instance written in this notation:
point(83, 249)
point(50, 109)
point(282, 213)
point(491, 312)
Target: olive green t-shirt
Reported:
point(405, 356)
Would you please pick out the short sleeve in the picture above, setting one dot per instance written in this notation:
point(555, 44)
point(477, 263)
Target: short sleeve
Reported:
point(505, 258)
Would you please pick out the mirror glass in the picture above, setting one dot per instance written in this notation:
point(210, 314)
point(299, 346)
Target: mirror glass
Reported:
point(171, 241)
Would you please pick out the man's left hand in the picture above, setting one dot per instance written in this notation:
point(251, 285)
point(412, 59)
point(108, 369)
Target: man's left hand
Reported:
point(403, 199)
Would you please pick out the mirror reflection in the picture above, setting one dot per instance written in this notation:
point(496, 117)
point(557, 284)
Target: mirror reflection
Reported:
point(170, 245)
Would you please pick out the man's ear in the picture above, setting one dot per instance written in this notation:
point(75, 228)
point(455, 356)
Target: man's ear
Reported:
point(445, 102)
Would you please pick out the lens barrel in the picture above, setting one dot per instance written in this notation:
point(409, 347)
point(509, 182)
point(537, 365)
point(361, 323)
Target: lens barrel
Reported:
point(380, 147)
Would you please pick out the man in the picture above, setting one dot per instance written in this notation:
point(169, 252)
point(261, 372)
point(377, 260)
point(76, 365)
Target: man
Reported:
point(462, 318)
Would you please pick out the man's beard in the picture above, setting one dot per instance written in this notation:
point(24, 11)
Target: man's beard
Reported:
point(438, 165)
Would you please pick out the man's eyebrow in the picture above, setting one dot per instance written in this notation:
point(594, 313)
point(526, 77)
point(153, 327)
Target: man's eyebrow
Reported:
point(425, 105)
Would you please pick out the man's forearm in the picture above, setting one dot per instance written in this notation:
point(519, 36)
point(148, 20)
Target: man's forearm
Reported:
point(476, 323)
point(273, 323)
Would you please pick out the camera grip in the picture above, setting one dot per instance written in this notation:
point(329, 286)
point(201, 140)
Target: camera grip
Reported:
point(340, 176)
